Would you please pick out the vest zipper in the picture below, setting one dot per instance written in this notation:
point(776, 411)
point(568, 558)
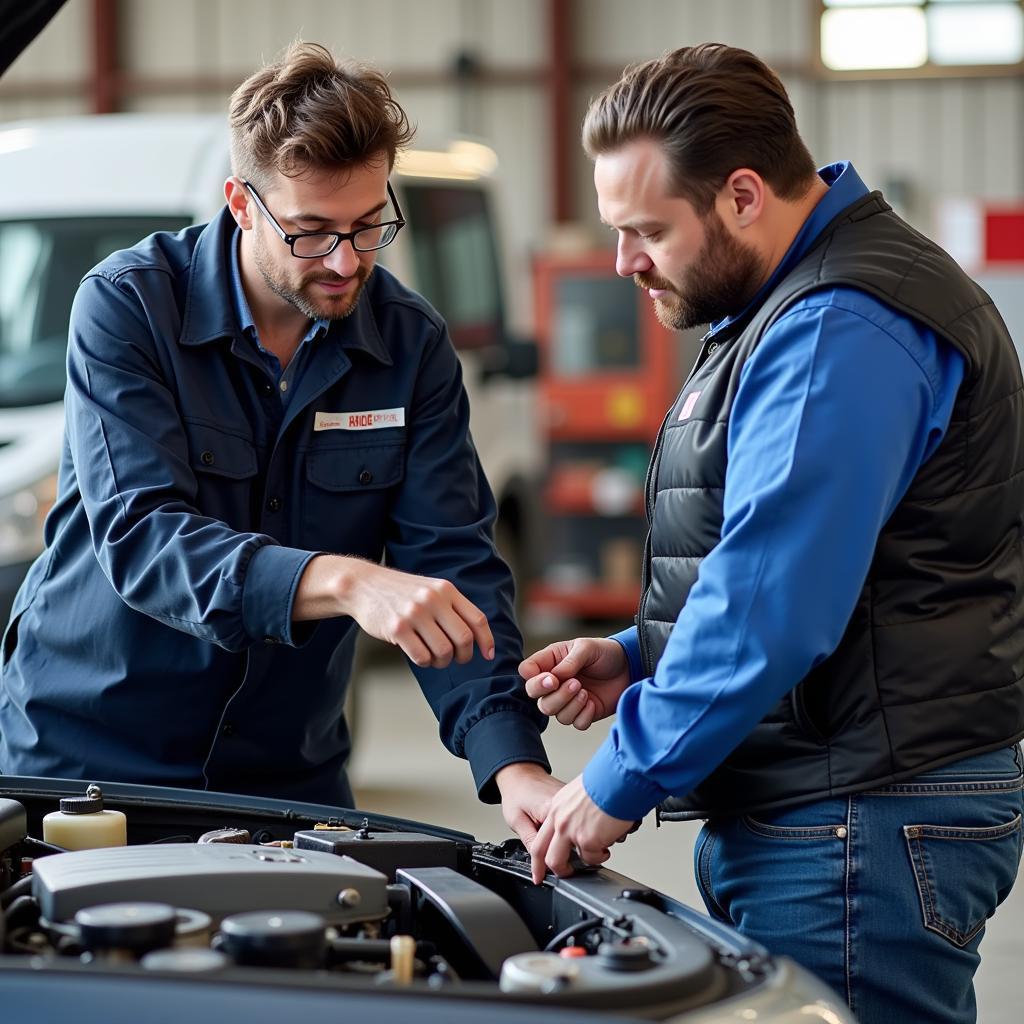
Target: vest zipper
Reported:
point(645, 569)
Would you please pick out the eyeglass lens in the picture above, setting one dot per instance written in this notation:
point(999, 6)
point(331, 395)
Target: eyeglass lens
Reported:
point(364, 240)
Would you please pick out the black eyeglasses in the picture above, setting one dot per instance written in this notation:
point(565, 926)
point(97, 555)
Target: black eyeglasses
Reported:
point(314, 244)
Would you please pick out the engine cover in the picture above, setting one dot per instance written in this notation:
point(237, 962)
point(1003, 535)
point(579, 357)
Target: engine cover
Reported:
point(217, 878)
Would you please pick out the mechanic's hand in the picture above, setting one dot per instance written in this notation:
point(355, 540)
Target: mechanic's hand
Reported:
point(574, 821)
point(429, 619)
point(526, 794)
point(578, 682)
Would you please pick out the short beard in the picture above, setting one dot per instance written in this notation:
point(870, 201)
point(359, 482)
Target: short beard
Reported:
point(724, 276)
point(298, 297)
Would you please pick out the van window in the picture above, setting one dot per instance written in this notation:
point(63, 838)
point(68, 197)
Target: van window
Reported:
point(41, 263)
point(455, 261)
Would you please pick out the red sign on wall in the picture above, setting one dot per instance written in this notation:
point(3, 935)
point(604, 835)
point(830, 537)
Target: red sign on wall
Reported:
point(1004, 235)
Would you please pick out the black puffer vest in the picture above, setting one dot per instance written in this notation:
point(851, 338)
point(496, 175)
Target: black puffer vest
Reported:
point(929, 669)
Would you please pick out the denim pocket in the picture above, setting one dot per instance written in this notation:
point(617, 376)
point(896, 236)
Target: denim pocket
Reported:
point(791, 832)
point(703, 853)
point(962, 874)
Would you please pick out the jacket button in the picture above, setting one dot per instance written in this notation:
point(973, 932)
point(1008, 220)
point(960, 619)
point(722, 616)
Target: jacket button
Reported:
point(228, 729)
point(841, 832)
point(274, 505)
point(207, 458)
point(365, 476)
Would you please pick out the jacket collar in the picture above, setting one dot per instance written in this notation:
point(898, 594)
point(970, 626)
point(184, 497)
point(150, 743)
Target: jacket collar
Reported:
point(210, 312)
point(845, 188)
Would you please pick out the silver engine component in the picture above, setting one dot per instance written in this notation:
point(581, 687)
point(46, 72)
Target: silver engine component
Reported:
point(220, 879)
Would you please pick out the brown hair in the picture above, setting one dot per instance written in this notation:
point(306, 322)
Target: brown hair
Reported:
point(712, 108)
point(308, 111)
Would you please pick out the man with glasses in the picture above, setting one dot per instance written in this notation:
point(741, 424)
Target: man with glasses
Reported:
point(257, 418)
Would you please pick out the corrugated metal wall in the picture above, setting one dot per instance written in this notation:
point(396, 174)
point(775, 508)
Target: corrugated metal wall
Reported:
point(61, 53)
point(418, 40)
point(928, 138)
point(922, 139)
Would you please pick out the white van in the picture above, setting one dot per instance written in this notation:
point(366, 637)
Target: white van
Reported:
point(74, 190)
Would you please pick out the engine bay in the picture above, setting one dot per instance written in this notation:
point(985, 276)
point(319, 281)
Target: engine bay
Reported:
point(233, 889)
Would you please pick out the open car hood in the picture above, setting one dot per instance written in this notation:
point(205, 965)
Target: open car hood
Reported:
point(279, 908)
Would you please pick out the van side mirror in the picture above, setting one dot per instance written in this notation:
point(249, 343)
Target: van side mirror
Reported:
point(515, 358)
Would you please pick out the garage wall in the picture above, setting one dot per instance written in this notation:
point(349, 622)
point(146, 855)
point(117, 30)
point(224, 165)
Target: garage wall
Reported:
point(59, 54)
point(918, 139)
point(231, 35)
point(411, 40)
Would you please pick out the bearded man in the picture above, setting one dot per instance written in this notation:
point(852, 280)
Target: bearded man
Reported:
point(828, 658)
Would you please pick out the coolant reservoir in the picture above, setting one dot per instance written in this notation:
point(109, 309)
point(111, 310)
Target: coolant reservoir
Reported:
point(83, 824)
point(537, 972)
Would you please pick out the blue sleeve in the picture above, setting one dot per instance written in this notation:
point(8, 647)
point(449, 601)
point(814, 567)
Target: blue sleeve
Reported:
point(131, 459)
point(442, 526)
point(630, 643)
point(836, 410)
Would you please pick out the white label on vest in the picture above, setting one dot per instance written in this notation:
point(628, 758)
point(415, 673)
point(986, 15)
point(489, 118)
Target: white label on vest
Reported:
point(369, 419)
point(687, 409)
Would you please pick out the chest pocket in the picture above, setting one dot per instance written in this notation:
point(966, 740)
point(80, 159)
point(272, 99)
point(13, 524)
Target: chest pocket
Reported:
point(225, 468)
point(214, 452)
point(348, 497)
point(364, 468)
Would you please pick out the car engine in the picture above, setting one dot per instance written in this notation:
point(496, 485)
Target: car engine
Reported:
point(244, 891)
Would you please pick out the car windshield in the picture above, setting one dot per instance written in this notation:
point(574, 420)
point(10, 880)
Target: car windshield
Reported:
point(456, 265)
point(41, 263)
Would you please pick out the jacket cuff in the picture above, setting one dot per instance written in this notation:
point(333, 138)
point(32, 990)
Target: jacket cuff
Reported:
point(499, 739)
point(268, 595)
point(629, 639)
point(617, 790)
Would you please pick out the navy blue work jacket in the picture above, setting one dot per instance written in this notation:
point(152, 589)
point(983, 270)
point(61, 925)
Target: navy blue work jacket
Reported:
point(152, 640)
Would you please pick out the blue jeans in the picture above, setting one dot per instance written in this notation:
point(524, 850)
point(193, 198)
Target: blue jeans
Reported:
point(883, 894)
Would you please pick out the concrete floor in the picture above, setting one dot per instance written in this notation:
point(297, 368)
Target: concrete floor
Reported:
point(399, 767)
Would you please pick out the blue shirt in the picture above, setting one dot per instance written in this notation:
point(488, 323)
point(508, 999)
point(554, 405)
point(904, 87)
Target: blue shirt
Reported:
point(153, 641)
point(286, 379)
point(837, 408)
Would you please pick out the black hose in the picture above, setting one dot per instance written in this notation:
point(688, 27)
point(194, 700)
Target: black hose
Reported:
point(42, 849)
point(22, 887)
point(580, 926)
point(23, 906)
point(343, 950)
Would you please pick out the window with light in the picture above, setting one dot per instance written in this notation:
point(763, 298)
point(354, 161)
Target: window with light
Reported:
point(906, 34)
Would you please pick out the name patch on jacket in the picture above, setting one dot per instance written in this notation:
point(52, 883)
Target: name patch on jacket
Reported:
point(368, 419)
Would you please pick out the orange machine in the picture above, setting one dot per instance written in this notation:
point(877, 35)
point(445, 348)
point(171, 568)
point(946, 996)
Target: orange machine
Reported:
point(609, 371)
